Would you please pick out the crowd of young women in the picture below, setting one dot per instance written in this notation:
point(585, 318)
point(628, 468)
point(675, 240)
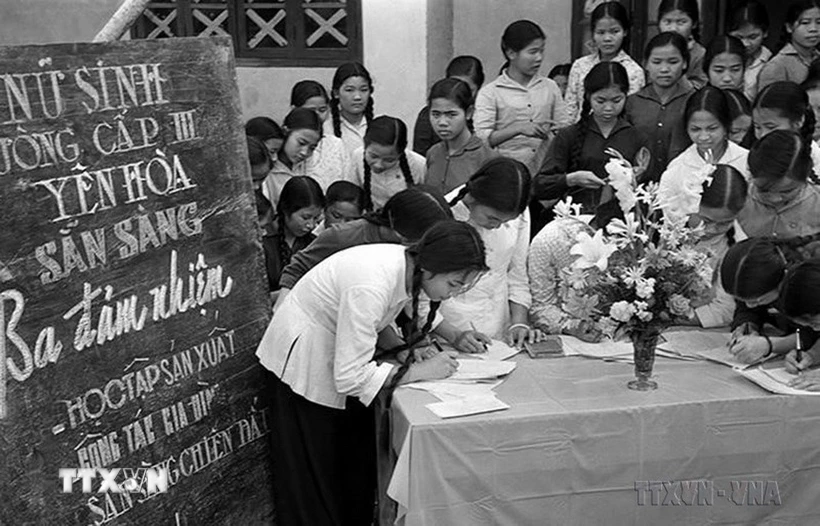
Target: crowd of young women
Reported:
point(375, 245)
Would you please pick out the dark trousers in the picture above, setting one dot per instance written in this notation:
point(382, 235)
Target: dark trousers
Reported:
point(324, 461)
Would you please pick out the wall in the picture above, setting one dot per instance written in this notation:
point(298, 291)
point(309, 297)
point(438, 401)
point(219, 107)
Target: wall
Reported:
point(395, 53)
point(50, 21)
point(478, 25)
point(395, 50)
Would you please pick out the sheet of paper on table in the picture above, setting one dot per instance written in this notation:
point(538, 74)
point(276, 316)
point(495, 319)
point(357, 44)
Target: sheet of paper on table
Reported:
point(722, 355)
point(447, 391)
point(774, 380)
point(607, 349)
point(480, 370)
point(498, 351)
point(694, 343)
point(467, 406)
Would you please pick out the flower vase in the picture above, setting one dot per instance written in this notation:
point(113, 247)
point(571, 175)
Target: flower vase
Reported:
point(644, 342)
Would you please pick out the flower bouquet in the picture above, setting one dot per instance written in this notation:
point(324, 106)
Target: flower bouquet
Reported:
point(638, 276)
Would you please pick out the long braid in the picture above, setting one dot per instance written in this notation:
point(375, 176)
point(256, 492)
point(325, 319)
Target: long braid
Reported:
point(461, 194)
point(580, 136)
point(797, 249)
point(284, 249)
point(368, 177)
point(405, 169)
point(368, 109)
point(336, 116)
point(412, 334)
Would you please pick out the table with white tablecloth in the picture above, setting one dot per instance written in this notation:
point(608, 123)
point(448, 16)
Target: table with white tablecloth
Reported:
point(578, 447)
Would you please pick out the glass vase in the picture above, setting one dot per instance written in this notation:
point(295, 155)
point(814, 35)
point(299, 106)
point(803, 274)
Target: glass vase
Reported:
point(644, 342)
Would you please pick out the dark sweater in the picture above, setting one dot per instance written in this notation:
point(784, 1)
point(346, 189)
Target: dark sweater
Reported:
point(332, 240)
point(661, 123)
point(551, 181)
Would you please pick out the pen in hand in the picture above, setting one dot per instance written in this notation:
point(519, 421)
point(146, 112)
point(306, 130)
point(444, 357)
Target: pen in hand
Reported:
point(799, 347)
point(437, 345)
point(483, 344)
point(733, 341)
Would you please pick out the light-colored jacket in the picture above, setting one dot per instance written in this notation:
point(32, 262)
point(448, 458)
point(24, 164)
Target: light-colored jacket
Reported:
point(486, 305)
point(504, 102)
point(677, 187)
point(322, 339)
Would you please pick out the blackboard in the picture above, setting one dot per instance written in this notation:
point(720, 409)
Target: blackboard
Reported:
point(132, 290)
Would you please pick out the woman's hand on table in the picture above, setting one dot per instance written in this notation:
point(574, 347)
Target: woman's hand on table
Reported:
point(442, 365)
point(808, 380)
point(749, 349)
point(519, 333)
point(472, 341)
point(744, 329)
point(794, 366)
point(424, 353)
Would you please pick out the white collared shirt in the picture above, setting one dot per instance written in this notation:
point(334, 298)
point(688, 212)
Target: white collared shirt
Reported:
point(486, 305)
point(386, 184)
point(504, 102)
point(352, 134)
point(322, 338)
point(677, 186)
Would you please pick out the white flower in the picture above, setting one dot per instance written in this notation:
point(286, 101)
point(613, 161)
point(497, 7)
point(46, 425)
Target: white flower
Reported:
point(593, 251)
point(644, 288)
point(567, 209)
point(622, 311)
point(642, 313)
point(630, 228)
point(621, 179)
point(632, 275)
point(648, 194)
point(575, 277)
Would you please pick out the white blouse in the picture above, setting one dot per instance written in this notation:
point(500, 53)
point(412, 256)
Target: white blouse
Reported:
point(385, 185)
point(486, 305)
point(328, 162)
point(322, 339)
point(677, 186)
point(352, 134)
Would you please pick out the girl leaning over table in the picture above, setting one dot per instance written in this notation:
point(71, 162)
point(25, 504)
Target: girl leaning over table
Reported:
point(752, 272)
point(494, 201)
point(321, 347)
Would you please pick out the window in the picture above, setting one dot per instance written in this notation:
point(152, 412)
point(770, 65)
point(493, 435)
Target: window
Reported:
point(264, 32)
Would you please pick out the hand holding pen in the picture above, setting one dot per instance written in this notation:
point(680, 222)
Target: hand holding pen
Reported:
point(744, 329)
point(472, 341)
